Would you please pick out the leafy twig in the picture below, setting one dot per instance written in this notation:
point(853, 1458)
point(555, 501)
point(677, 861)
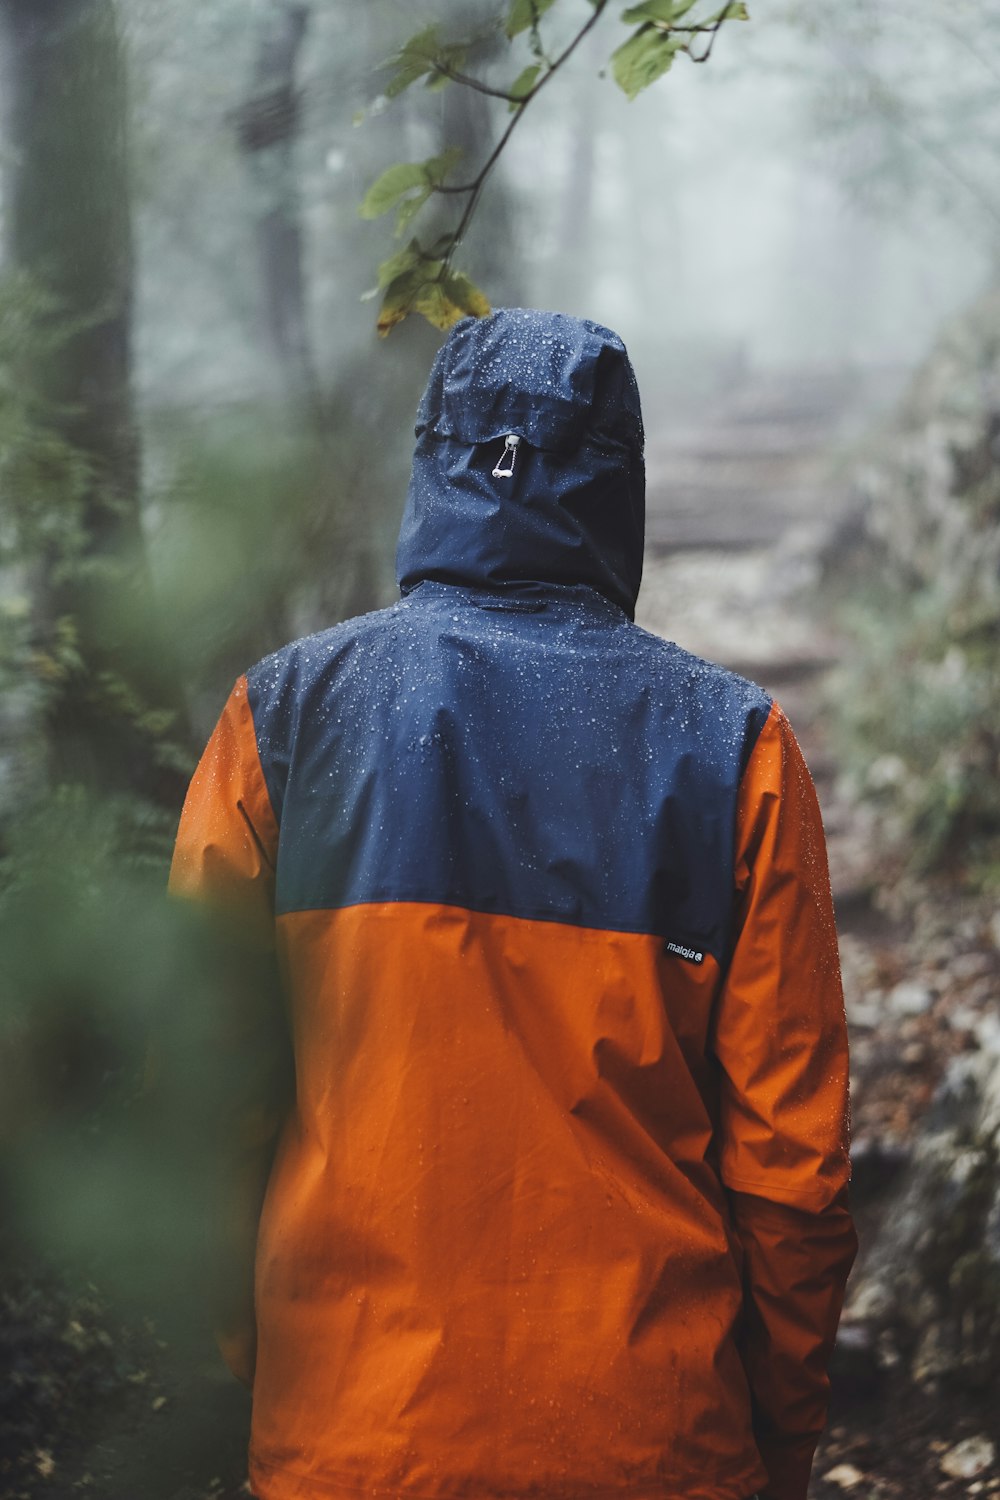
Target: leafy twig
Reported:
point(423, 280)
point(475, 188)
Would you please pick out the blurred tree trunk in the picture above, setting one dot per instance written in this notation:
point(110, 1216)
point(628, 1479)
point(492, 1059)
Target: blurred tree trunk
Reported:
point(67, 221)
point(572, 264)
point(268, 126)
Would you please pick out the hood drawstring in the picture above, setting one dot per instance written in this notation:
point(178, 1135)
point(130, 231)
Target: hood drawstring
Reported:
point(510, 446)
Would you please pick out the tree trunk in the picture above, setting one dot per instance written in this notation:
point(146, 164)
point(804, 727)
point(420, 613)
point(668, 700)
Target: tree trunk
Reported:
point(68, 224)
point(572, 264)
point(268, 126)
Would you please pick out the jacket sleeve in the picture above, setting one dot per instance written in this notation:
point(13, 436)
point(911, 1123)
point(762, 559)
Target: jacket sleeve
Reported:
point(781, 1041)
point(224, 858)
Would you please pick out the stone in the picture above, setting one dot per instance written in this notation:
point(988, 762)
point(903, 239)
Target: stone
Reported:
point(909, 998)
point(846, 1475)
point(969, 1457)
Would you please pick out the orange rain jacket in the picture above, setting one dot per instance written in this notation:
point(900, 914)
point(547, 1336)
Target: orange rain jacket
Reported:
point(559, 1207)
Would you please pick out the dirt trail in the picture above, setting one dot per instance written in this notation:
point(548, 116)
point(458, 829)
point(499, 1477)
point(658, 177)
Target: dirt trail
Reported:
point(742, 500)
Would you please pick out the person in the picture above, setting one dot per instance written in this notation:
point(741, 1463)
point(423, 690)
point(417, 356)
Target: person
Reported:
point(559, 1206)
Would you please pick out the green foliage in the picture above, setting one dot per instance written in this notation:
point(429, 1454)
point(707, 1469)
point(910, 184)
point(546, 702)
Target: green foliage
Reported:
point(665, 29)
point(666, 12)
point(523, 85)
point(525, 15)
point(419, 280)
point(424, 56)
point(141, 1040)
point(672, 12)
point(241, 502)
point(918, 707)
point(918, 714)
point(646, 56)
point(43, 478)
point(414, 182)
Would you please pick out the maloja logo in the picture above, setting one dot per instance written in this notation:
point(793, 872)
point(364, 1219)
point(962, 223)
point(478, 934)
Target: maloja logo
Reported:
point(693, 955)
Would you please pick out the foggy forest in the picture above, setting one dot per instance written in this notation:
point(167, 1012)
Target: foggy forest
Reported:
point(233, 237)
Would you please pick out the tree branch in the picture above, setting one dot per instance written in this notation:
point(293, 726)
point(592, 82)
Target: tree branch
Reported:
point(475, 188)
point(473, 83)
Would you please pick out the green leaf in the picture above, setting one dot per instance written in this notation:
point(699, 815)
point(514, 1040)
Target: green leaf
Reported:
point(523, 84)
point(423, 56)
point(666, 11)
point(438, 167)
point(409, 208)
point(399, 299)
point(443, 302)
point(413, 60)
point(464, 295)
point(402, 261)
point(735, 11)
point(432, 302)
point(413, 179)
point(646, 56)
point(524, 14)
point(670, 12)
point(415, 282)
point(386, 191)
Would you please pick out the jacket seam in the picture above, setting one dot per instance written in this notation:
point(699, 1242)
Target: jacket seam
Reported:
point(460, 906)
point(257, 766)
point(810, 1203)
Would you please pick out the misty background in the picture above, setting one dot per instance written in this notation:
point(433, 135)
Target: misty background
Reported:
point(204, 452)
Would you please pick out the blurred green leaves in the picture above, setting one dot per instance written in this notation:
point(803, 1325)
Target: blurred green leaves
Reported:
point(137, 1036)
point(44, 478)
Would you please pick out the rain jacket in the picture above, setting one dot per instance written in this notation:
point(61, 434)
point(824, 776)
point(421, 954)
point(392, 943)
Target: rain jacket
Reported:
point(559, 1207)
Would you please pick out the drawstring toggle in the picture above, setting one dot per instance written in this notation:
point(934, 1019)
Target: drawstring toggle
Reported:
point(510, 447)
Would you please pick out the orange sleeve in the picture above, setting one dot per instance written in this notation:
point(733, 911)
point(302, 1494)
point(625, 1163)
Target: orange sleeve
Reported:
point(225, 857)
point(227, 843)
point(781, 1040)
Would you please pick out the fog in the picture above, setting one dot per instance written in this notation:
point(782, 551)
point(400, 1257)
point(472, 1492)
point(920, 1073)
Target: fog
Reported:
point(761, 210)
point(204, 452)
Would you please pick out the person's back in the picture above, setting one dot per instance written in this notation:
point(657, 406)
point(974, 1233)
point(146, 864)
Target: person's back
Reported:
point(559, 1207)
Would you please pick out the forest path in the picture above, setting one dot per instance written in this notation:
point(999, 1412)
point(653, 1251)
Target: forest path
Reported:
point(742, 501)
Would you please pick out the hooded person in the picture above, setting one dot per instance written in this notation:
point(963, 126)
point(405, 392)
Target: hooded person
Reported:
point(559, 1205)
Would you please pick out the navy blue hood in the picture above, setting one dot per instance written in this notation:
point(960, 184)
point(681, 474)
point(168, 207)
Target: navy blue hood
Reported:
point(573, 512)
